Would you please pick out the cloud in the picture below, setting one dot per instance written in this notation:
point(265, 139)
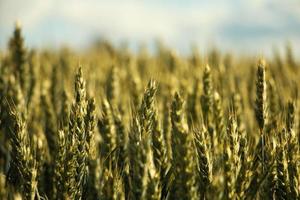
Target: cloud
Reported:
point(29, 11)
point(230, 23)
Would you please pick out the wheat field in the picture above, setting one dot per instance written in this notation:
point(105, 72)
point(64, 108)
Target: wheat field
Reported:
point(107, 123)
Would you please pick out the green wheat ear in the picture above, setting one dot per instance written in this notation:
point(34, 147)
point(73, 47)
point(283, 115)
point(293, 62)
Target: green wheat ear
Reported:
point(219, 117)
point(113, 88)
point(260, 105)
point(273, 101)
point(142, 175)
point(261, 95)
point(79, 114)
point(292, 150)
point(281, 168)
point(159, 147)
point(64, 111)
point(232, 162)
point(90, 124)
point(18, 55)
point(192, 114)
point(77, 154)
point(59, 165)
point(22, 173)
point(204, 165)
point(107, 129)
point(50, 125)
point(184, 183)
point(207, 96)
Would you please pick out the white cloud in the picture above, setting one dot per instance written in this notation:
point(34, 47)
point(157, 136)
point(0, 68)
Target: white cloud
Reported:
point(175, 22)
point(29, 12)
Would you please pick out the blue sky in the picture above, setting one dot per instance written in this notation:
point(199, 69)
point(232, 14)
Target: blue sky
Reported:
point(244, 26)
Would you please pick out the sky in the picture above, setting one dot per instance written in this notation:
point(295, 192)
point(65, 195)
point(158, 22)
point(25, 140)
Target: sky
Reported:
point(256, 26)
